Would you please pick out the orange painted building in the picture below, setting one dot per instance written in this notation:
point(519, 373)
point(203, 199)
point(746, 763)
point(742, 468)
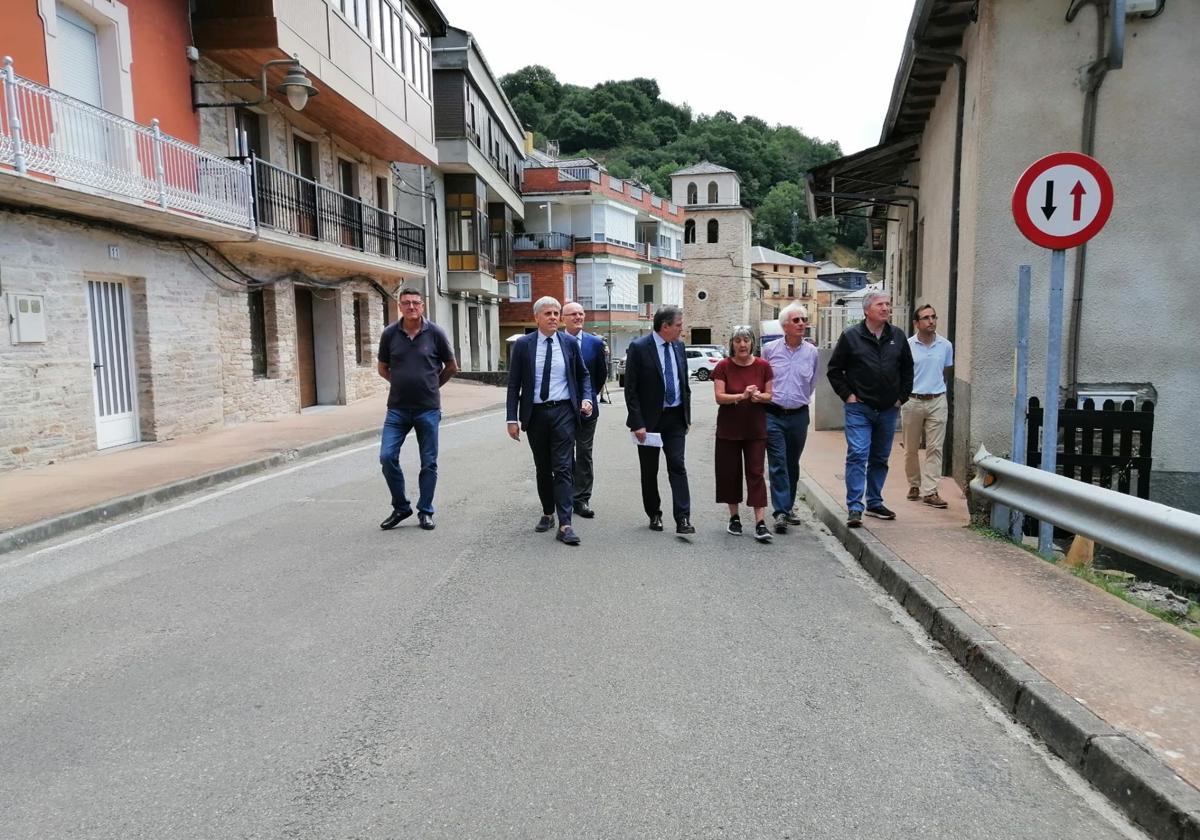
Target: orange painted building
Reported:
point(139, 47)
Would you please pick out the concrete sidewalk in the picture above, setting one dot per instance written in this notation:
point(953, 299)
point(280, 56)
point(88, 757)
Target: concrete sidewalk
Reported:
point(1111, 689)
point(1090, 674)
point(42, 502)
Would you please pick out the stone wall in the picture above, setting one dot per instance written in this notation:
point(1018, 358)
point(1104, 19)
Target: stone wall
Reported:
point(190, 337)
point(720, 272)
point(46, 389)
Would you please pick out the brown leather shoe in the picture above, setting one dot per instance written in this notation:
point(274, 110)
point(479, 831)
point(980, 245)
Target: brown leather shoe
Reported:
point(934, 500)
point(914, 494)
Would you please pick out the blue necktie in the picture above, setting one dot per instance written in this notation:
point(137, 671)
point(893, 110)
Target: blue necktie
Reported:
point(669, 373)
point(544, 391)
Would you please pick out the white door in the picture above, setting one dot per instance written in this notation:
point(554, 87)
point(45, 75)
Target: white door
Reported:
point(111, 344)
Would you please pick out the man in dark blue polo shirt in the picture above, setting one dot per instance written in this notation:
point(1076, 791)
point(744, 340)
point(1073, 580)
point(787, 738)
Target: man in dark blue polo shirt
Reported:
point(416, 358)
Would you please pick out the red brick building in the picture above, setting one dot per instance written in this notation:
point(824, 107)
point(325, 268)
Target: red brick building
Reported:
point(612, 245)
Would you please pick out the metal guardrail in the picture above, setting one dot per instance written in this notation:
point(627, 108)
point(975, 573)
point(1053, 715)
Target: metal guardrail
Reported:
point(46, 132)
point(1154, 533)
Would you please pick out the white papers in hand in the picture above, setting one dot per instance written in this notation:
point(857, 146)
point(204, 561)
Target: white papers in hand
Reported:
point(652, 439)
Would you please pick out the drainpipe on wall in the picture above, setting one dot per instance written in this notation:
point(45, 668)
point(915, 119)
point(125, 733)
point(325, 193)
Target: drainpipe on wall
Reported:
point(1110, 47)
point(956, 196)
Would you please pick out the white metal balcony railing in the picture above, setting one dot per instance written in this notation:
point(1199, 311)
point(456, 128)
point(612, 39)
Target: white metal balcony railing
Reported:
point(635, 193)
point(543, 242)
point(49, 133)
point(616, 185)
point(579, 173)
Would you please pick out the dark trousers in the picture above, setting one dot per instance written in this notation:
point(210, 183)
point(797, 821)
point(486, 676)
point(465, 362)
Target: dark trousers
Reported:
point(396, 427)
point(731, 456)
point(583, 459)
point(786, 434)
point(674, 434)
point(551, 436)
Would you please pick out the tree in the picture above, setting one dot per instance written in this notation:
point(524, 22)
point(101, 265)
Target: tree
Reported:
point(535, 80)
point(530, 111)
point(604, 130)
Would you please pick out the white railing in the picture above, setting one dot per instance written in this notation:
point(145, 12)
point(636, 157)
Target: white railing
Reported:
point(49, 133)
point(832, 322)
point(579, 173)
point(655, 202)
point(635, 193)
point(616, 185)
point(1156, 534)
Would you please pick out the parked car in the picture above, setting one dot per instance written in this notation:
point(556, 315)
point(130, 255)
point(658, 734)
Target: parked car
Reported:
point(702, 359)
point(719, 348)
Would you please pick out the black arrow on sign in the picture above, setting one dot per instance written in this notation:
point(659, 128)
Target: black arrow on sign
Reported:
point(1048, 208)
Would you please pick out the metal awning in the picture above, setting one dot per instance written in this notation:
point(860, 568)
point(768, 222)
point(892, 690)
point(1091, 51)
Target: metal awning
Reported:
point(868, 179)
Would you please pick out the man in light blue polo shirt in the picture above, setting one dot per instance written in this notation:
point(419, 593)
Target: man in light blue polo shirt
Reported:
point(926, 412)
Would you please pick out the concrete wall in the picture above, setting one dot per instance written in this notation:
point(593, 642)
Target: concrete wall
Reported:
point(1148, 136)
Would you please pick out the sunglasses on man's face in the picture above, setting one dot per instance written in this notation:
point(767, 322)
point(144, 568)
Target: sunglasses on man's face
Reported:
point(799, 320)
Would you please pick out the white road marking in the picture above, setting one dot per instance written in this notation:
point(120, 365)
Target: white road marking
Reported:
point(216, 494)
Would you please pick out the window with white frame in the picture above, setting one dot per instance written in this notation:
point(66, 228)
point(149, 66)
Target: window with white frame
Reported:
point(568, 288)
point(396, 33)
point(524, 287)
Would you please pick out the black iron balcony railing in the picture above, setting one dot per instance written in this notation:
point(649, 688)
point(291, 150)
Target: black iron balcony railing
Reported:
point(288, 203)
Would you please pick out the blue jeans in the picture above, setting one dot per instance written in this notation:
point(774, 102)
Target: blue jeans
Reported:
point(395, 429)
point(869, 436)
point(786, 434)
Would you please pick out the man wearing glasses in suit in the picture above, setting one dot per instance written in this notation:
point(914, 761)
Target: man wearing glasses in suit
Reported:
point(794, 363)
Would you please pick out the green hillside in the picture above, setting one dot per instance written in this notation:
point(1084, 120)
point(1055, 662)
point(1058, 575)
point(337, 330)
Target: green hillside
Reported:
point(637, 134)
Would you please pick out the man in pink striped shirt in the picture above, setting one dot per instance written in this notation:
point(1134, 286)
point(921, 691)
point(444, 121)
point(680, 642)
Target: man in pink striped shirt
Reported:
point(794, 362)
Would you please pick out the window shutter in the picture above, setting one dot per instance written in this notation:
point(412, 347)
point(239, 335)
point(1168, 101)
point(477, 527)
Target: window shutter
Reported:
point(79, 57)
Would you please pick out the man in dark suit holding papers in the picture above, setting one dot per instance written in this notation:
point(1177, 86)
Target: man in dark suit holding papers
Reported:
point(659, 400)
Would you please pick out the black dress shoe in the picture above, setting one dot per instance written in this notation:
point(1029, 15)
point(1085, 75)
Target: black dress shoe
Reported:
point(581, 509)
point(684, 526)
point(395, 519)
point(425, 520)
point(544, 524)
point(656, 522)
point(567, 535)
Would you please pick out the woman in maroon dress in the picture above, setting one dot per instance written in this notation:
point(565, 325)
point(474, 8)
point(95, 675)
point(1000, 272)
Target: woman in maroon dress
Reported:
point(741, 385)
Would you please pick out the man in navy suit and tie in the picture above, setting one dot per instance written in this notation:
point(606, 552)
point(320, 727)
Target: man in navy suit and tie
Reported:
point(548, 391)
point(659, 400)
point(592, 348)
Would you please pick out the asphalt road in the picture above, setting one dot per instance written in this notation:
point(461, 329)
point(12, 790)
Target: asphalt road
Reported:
point(264, 662)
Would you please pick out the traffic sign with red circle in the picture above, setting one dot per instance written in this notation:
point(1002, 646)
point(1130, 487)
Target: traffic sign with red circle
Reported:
point(1062, 200)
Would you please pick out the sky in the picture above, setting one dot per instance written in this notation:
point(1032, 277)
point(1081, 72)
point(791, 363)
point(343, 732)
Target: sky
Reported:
point(823, 66)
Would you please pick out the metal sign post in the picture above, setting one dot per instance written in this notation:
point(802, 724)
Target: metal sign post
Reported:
point(1060, 202)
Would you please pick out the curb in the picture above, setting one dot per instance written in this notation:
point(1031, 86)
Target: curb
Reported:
point(1144, 789)
point(47, 529)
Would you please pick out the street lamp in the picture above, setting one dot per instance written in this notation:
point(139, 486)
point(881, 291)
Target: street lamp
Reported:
point(612, 350)
point(296, 86)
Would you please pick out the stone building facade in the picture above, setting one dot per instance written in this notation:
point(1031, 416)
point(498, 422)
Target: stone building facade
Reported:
point(248, 275)
point(721, 291)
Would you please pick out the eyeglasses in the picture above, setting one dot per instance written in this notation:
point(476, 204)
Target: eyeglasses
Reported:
point(798, 320)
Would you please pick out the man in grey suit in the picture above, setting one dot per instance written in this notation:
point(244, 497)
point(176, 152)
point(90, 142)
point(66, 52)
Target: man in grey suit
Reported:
point(659, 399)
point(548, 391)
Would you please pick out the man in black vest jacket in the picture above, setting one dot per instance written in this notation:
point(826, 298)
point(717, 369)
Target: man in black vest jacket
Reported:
point(659, 399)
point(871, 369)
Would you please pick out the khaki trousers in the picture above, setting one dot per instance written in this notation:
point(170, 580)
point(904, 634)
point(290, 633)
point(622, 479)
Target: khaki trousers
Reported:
point(928, 417)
